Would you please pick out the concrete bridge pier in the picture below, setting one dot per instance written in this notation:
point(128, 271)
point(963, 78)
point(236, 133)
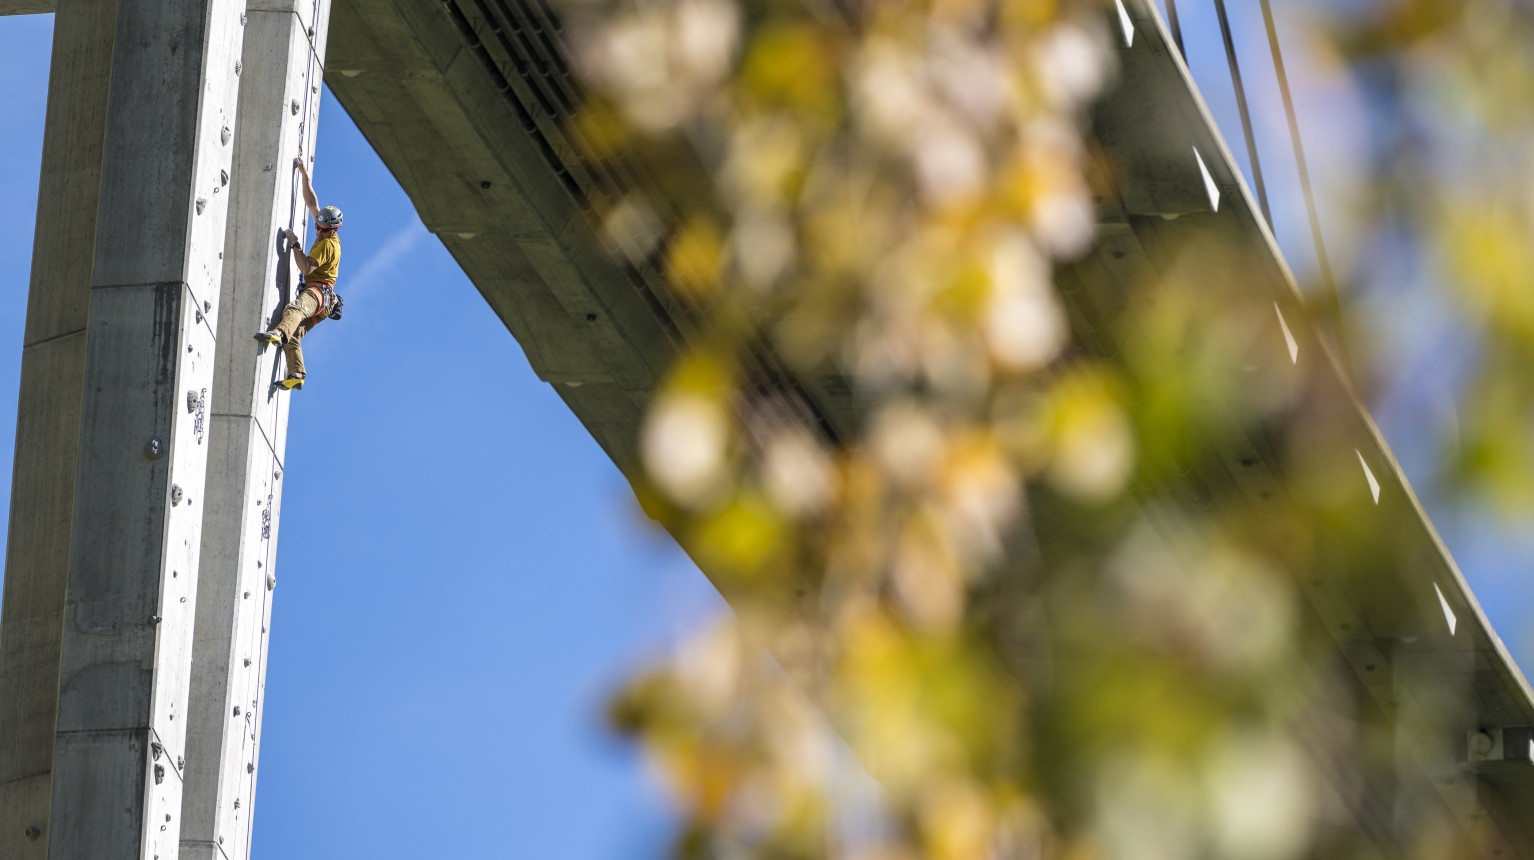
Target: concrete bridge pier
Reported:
point(279, 103)
point(107, 502)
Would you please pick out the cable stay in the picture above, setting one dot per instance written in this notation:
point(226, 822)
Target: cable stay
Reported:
point(1323, 262)
point(1246, 116)
point(1171, 14)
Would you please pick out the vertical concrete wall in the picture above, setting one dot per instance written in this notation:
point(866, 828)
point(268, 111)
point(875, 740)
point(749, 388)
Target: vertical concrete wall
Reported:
point(126, 657)
point(107, 509)
point(279, 102)
point(48, 421)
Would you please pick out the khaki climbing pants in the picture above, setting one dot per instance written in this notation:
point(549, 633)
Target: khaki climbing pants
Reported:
point(294, 325)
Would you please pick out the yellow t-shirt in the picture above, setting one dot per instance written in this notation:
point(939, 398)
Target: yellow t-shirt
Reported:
point(326, 253)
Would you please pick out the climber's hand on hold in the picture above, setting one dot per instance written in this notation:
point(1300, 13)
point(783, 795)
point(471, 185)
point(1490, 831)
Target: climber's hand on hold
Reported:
point(298, 162)
point(290, 236)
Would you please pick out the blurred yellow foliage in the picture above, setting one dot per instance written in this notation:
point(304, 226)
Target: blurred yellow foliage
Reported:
point(1009, 567)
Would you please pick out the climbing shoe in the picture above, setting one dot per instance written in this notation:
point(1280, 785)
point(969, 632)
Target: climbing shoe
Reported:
point(269, 337)
point(292, 383)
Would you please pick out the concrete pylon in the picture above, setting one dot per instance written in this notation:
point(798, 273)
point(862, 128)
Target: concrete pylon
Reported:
point(279, 103)
point(48, 422)
point(107, 504)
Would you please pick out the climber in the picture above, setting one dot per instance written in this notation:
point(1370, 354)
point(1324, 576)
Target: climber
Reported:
point(315, 299)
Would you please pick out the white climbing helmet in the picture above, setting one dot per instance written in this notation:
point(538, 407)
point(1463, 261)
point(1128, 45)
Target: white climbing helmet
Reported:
point(329, 217)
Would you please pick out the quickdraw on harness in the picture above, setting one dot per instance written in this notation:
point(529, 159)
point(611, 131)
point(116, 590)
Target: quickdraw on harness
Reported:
point(327, 303)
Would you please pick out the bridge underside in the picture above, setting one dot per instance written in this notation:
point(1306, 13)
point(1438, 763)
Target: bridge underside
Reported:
point(469, 118)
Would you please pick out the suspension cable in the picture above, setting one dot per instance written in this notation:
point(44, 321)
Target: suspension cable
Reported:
point(1246, 116)
point(1323, 262)
point(1171, 14)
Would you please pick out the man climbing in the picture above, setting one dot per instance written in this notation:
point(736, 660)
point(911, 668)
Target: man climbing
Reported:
point(316, 298)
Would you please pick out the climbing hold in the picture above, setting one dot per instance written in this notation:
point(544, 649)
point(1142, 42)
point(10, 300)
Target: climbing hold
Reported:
point(153, 450)
point(238, 67)
point(247, 595)
point(224, 134)
point(223, 177)
point(236, 710)
point(202, 203)
point(155, 748)
point(175, 494)
point(154, 619)
point(271, 585)
point(159, 774)
point(294, 107)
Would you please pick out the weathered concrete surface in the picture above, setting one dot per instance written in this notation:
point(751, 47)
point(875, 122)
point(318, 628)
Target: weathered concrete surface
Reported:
point(282, 67)
point(146, 104)
point(48, 422)
point(27, 7)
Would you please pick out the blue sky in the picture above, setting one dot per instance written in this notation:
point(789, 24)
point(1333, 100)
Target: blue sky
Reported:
point(462, 573)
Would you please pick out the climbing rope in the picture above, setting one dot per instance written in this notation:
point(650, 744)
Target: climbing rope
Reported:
point(1246, 117)
point(305, 129)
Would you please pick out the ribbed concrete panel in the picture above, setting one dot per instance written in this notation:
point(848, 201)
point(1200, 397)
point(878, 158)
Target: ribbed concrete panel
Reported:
point(282, 69)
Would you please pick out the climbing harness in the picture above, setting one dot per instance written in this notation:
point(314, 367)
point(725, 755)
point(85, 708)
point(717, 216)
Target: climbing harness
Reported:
point(327, 303)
